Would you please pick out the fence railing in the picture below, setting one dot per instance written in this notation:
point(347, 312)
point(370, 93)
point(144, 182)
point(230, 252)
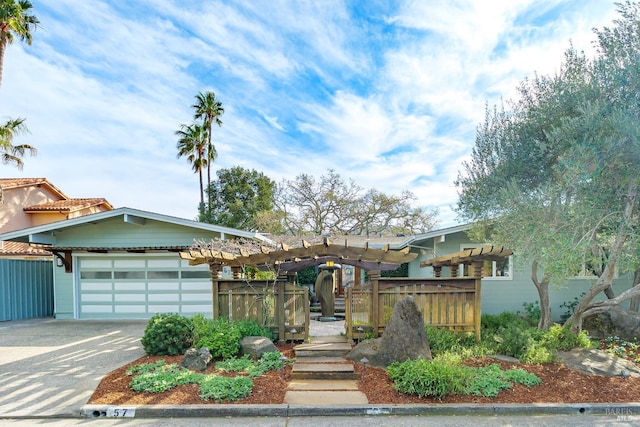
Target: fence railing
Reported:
point(281, 307)
point(452, 303)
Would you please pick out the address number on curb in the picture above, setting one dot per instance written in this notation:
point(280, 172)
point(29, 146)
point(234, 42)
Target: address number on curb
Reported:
point(115, 412)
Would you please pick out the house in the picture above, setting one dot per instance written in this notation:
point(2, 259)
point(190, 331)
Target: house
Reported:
point(26, 277)
point(27, 202)
point(124, 263)
point(507, 285)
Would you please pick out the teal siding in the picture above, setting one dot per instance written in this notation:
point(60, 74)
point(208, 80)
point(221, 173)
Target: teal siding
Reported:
point(116, 233)
point(26, 289)
point(500, 295)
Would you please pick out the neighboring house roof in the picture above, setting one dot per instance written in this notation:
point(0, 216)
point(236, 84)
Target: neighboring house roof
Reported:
point(8, 183)
point(43, 234)
point(70, 205)
point(16, 249)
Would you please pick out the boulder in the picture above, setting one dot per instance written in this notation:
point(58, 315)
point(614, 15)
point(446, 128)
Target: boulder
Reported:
point(598, 362)
point(196, 360)
point(617, 321)
point(404, 338)
point(255, 346)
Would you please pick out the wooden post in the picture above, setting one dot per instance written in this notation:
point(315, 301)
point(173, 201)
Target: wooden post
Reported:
point(280, 298)
point(348, 321)
point(213, 272)
point(454, 270)
point(437, 271)
point(478, 308)
point(374, 276)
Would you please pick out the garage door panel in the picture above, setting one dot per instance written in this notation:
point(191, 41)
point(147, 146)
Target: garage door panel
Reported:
point(139, 288)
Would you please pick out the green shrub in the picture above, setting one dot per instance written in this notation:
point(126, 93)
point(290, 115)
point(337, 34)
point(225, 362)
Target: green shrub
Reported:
point(531, 312)
point(443, 340)
point(220, 336)
point(234, 364)
point(559, 337)
point(520, 376)
point(163, 378)
point(167, 334)
point(219, 388)
point(513, 340)
point(486, 381)
point(492, 323)
point(428, 378)
point(251, 328)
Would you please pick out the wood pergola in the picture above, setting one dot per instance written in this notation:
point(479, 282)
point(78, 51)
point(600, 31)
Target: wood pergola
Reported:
point(288, 258)
point(474, 257)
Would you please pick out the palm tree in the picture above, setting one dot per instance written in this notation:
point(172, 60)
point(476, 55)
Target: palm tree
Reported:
point(208, 109)
point(12, 154)
point(192, 144)
point(15, 20)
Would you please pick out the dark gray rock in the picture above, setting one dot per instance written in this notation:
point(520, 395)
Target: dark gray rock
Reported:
point(196, 360)
point(617, 321)
point(598, 362)
point(255, 346)
point(325, 291)
point(404, 338)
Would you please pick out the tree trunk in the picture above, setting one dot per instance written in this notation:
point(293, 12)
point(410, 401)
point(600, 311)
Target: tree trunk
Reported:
point(543, 292)
point(3, 46)
point(605, 279)
point(635, 301)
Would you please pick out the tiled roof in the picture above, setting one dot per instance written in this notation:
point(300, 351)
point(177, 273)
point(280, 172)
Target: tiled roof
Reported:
point(69, 205)
point(7, 183)
point(21, 249)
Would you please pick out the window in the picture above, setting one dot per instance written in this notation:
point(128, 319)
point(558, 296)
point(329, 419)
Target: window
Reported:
point(490, 269)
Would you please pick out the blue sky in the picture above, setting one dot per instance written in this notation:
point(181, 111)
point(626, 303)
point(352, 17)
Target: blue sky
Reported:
point(387, 93)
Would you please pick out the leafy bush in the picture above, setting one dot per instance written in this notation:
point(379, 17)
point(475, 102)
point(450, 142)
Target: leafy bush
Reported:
point(443, 340)
point(486, 381)
point(219, 388)
point(559, 337)
point(427, 378)
point(491, 323)
point(143, 368)
point(520, 376)
point(531, 312)
point(439, 378)
point(251, 328)
point(570, 306)
point(167, 334)
point(163, 377)
point(220, 336)
point(268, 362)
point(513, 340)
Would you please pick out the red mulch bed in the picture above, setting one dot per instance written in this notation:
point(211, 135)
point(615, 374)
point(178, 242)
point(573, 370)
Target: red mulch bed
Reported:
point(559, 385)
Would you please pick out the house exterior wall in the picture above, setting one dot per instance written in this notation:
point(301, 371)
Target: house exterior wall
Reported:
point(12, 216)
point(114, 233)
point(506, 294)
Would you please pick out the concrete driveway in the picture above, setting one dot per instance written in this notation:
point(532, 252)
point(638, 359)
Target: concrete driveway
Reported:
point(50, 368)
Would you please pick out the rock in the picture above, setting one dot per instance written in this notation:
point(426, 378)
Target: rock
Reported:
point(255, 346)
point(598, 362)
point(617, 321)
point(326, 293)
point(196, 360)
point(404, 338)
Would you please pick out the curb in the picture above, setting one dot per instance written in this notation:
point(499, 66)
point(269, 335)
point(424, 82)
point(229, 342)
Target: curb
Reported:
point(284, 410)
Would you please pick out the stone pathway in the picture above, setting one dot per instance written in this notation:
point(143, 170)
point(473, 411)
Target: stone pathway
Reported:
point(322, 376)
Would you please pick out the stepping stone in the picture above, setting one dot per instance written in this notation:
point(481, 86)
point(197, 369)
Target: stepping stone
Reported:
point(294, 397)
point(320, 359)
point(342, 371)
point(322, 339)
point(326, 385)
point(331, 349)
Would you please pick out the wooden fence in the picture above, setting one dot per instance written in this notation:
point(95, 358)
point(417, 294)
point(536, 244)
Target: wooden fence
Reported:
point(452, 303)
point(282, 307)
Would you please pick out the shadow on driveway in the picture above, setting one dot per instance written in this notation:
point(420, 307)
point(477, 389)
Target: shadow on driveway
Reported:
point(50, 368)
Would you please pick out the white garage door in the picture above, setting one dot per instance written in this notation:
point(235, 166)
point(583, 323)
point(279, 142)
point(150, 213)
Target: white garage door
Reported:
point(139, 287)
